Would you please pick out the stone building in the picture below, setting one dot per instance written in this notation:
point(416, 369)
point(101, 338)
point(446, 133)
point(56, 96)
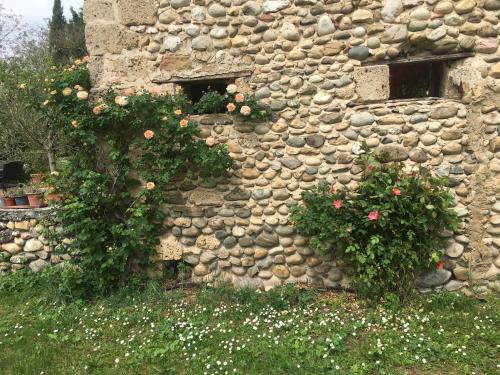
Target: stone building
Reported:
point(419, 79)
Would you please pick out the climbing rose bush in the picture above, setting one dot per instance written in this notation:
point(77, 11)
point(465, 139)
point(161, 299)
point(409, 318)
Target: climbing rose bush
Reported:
point(129, 148)
point(387, 229)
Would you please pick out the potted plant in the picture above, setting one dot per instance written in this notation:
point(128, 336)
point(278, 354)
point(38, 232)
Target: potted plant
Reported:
point(8, 198)
point(19, 196)
point(36, 178)
point(35, 195)
point(52, 196)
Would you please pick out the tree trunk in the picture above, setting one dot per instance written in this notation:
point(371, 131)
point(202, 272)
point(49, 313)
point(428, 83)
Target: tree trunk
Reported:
point(52, 161)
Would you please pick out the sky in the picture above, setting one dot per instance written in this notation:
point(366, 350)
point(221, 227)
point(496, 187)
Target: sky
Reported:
point(35, 11)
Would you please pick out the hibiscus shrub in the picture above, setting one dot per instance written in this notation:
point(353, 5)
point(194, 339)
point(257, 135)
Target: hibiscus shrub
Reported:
point(387, 229)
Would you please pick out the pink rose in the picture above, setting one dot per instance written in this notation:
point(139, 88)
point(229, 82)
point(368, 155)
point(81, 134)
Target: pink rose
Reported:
point(337, 204)
point(373, 215)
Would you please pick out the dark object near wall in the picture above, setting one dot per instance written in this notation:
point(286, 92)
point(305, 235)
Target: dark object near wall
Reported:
point(10, 173)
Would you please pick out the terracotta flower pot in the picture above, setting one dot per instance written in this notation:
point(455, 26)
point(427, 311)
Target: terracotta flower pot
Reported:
point(9, 201)
point(35, 200)
point(53, 197)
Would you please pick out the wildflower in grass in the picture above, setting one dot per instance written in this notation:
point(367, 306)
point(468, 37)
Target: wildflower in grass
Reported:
point(373, 215)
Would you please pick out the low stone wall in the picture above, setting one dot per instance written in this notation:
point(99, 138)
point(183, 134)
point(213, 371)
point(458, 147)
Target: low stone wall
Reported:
point(23, 242)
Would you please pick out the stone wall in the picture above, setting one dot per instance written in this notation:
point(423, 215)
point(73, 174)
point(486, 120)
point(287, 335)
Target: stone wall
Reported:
point(310, 61)
point(23, 242)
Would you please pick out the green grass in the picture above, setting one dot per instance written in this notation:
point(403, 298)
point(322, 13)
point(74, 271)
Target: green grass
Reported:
point(225, 331)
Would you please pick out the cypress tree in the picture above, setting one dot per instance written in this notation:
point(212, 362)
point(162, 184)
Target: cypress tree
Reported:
point(76, 34)
point(57, 31)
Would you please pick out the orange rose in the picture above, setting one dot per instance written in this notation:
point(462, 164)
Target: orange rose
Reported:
point(150, 186)
point(184, 123)
point(210, 141)
point(231, 107)
point(240, 97)
point(149, 134)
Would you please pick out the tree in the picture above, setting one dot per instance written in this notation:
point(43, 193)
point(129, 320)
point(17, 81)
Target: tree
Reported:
point(66, 37)
point(24, 134)
point(10, 27)
point(76, 34)
point(57, 33)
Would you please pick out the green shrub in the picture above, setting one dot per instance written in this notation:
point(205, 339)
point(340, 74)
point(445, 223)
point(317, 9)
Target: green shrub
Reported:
point(387, 229)
point(210, 102)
